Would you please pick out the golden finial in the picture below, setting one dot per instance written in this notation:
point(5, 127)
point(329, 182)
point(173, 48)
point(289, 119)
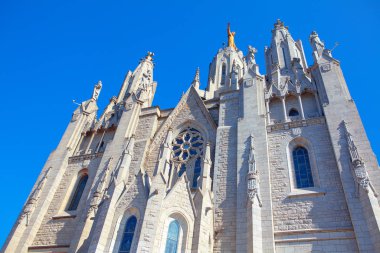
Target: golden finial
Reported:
point(231, 38)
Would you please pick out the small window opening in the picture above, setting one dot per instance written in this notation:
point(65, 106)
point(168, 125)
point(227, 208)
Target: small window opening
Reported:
point(293, 113)
point(224, 73)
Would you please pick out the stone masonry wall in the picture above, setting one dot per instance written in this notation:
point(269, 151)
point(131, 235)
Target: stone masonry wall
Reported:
point(56, 229)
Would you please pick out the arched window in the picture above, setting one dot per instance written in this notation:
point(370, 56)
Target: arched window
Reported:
point(293, 113)
point(172, 237)
point(197, 172)
point(224, 73)
point(302, 169)
point(129, 231)
point(78, 193)
point(284, 56)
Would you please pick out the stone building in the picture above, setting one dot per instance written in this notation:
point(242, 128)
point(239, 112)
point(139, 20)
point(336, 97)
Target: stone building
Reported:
point(254, 163)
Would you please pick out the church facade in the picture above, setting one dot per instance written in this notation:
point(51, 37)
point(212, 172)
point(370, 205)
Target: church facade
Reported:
point(253, 163)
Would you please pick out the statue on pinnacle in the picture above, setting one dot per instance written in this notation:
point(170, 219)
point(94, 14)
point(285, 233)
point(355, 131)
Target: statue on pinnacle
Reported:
point(231, 38)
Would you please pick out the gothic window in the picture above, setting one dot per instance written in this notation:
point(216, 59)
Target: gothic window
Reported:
point(302, 169)
point(197, 172)
point(172, 237)
point(126, 241)
point(284, 57)
point(187, 150)
point(293, 113)
point(78, 193)
point(224, 73)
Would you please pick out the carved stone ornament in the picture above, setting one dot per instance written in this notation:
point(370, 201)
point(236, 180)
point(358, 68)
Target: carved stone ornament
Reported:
point(253, 176)
point(31, 204)
point(296, 131)
point(97, 89)
point(99, 193)
point(128, 106)
point(251, 55)
point(75, 117)
point(358, 166)
point(325, 67)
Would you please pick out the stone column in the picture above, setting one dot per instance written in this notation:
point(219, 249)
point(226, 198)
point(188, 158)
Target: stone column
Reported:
point(284, 108)
point(267, 110)
point(301, 107)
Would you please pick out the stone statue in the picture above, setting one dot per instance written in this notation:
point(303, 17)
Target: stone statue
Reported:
point(97, 89)
point(251, 55)
point(231, 38)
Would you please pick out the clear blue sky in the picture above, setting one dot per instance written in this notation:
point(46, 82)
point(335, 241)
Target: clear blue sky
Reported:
point(54, 51)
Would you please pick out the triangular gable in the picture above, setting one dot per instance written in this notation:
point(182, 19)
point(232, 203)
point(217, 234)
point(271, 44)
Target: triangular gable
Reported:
point(191, 94)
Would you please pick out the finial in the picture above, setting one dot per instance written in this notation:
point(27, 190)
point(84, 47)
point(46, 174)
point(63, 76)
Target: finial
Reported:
point(97, 89)
point(279, 24)
point(196, 80)
point(149, 56)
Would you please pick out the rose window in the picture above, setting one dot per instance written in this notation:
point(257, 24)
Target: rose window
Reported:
point(188, 144)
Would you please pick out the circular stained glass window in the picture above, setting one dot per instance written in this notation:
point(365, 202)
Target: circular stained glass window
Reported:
point(188, 144)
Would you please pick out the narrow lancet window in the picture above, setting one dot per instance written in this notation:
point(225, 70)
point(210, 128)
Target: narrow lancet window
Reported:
point(302, 169)
point(129, 231)
point(78, 193)
point(172, 238)
point(224, 73)
point(197, 172)
point(284, 57)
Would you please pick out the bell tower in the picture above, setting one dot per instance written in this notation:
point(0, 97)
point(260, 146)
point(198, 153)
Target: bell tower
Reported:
point(226, 69)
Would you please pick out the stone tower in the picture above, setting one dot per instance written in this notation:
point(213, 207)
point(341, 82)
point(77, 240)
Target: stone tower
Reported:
point(253, 163)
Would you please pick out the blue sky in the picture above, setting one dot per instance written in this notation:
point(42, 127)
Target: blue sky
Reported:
point(54, 51)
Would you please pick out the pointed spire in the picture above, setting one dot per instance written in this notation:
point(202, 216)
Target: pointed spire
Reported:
point(96, 91)
point(196, 81)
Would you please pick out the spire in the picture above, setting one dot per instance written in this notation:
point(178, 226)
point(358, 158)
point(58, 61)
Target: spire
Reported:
point(283, 51)
point(196, 80)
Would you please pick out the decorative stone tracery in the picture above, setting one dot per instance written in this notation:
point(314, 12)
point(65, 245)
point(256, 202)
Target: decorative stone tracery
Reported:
point(253, 175)
point(358, 166)
point(187, 150)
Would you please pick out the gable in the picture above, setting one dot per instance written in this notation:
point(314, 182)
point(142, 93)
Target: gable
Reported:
point(190, 111)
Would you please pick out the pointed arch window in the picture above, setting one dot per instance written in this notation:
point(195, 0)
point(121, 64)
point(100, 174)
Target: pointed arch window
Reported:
point(129, 231)
point(78, 193)
point(302, 169)
point(172, 237)
point(197, 172)
point(284, 56)
point(224, 73)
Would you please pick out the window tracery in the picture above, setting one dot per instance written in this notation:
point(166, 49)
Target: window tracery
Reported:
point(302, 168)
point(187, 150)
point(78, 193)
point(129, 231)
